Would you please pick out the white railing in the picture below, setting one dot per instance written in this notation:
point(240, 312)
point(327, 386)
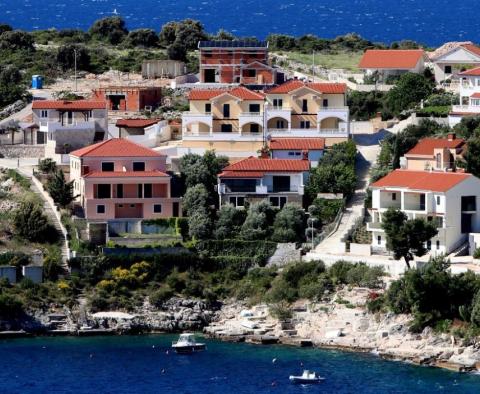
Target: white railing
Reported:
point(466, 108)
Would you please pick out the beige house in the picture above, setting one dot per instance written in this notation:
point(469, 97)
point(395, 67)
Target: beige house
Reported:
point(452, 58)
point(434, 154)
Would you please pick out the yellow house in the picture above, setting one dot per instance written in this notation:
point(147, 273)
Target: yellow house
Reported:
point(229, 121)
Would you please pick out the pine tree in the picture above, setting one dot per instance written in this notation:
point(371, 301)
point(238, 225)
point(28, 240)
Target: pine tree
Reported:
point(60, 190)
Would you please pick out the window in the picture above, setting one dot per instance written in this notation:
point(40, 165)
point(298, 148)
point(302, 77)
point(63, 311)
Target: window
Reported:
point(438, 200)
point(278, 103)
point(469, 203)
point(429, 245)
point(237, 201)
point(100, 209)
point(439, 221)
point(325, 103)
point(140, 190)
point(254, 108)
point(108, 166)
point(438, 245)
point(294, 153)
point(120, 205)
point(138, 166)
point(226, 110)
point(251, 73)
point(281, 184)
point(103, 191)
point(438, 160)
point(278, 202)
point(69, 117)
point(394, 196)
point(280, 124)
point(254, 128)
point(240, 185)
point(119, 191)
point(226, 128)
point(44, 113)
point(132, 205)
point(208, 108)
point(304, 105)
point(422, 202)
point(305, 124)
point(448, 69)
point(147, 190)
point(379, 240)
point(157, 208)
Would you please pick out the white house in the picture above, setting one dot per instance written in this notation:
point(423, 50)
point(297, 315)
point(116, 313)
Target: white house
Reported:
point(448, 199)
point(469, 92)
point(297, 149)
point(392, 62)
point(255, 179)
point(452, 58)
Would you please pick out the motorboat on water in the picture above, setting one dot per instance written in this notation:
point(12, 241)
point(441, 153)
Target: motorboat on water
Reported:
point(187, 343)
point(307, 377)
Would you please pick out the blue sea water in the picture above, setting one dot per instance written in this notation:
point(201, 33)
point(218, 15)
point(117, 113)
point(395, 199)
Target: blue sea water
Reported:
point(429, 21)
point(135, 364)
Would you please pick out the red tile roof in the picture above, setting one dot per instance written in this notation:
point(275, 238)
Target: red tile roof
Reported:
point(115, 147)
point(297, 144)
point(472, 48)
point(69, 105)
point(242, 174)
point(136, 123)
point(426, 146)
point(421, 180)
point(399, 59)
point(475, 95)
point(126, 174)
point(257, 167)
point(295, 84)
point(474, 72)
point(239, 92)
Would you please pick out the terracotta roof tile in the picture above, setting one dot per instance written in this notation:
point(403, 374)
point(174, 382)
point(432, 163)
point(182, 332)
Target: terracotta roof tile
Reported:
point(474, 72)
point(426, 146)
point(400, 59)
point(297, 144)
point(295, 84)
point(139, 123)
point(472, 48)
point(242, 174)
point(257, 166)
point(115, 147)
point(69, 105)
point(126, 174)
point(239, 92)
point(421, 180)
point(475, 95)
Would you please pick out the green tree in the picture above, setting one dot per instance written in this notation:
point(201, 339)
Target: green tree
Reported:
point(30, 223)
point(229, 222)
point(289, 224)
point(475, 315)
point(12, 87)
point(59, 189)
point(199, 225)
point(468, 127)
point(189, 32)
point(168, 34)
point(196, 199)
point(224, 35)
point(471, 157)
point(111, 29)
point(145, 38)
point(16, 40)
point(177, 51)
point(47, 166)
point(406, 238)
point(4, 27)
point(258, 221)
point(332, 178)
point(409, 90)
point(66, 57)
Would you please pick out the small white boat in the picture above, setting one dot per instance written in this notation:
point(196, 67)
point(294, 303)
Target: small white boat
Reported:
point(308, 377)
point(187, 344)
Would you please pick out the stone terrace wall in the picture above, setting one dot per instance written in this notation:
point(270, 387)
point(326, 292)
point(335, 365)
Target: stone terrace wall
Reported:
point(19, 151)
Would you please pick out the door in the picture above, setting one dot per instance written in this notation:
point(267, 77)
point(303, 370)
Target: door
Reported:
point(209, 75)
point(226, 110)
point(176, 210)
point(281, 184)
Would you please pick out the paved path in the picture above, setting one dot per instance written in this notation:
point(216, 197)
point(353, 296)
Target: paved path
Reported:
point(368, 149)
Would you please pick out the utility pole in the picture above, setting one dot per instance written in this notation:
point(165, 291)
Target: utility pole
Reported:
point(75, 61)
point(313, 65)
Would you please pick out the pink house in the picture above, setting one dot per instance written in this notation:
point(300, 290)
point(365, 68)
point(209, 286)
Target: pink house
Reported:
point(118, 179)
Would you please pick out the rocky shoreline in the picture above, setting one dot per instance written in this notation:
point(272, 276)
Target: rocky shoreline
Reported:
point(343, 323)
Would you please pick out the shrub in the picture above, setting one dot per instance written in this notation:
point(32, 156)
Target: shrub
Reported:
point(289, 224)
point(30, 223)
point(159, 297)
point(47, 166)
point(281, 311)
point(10, 306)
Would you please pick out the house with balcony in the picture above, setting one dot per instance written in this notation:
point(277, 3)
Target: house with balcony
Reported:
point(392, 62)
point(449, 199)
point(452, 58)
point(146, 132)
point(67, 125)
point(254, 179)
point(297, 109)
point(235, 62)
point(297, 149)
point(469, 92)
point(227, 120)
point(434, 154)
point(118, 179)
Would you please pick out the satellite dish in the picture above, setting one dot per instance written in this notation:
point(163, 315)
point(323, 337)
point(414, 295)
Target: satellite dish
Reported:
point(269, 137)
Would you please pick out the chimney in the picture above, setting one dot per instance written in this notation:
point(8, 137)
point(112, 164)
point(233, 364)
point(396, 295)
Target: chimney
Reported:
point(264, 154)
point(451, 136)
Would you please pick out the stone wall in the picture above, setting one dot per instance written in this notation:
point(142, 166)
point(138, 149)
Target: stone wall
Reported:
point(19, 151)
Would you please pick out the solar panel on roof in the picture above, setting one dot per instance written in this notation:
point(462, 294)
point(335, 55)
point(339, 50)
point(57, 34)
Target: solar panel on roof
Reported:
point(232, 44)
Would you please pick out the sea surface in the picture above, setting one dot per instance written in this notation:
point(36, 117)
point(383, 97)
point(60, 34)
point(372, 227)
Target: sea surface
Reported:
point(141, 365)
point(428, 21)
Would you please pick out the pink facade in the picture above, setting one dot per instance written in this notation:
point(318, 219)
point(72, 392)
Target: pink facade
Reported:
point(115, 188)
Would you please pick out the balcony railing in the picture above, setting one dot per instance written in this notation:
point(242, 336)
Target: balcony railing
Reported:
point(466, 108)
